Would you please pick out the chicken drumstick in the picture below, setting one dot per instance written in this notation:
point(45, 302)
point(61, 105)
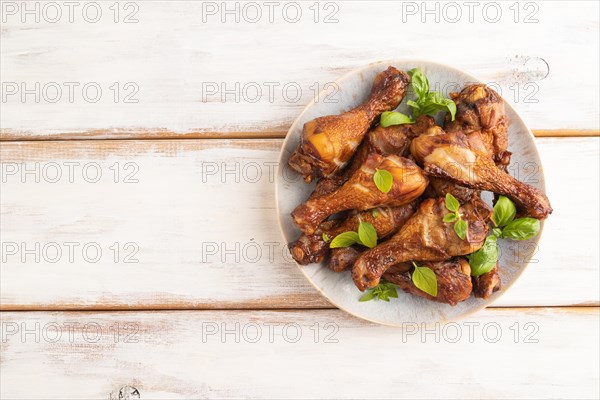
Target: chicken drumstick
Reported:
point(464, 159)
point(329, 142)
point(361, 193)
point(424, 237)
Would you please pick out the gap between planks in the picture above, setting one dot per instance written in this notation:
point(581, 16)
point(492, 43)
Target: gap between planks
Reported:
point(157, 134)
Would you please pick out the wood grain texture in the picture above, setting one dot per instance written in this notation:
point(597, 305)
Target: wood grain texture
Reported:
point(192, 74)
point(201, 221)
point(500, 353)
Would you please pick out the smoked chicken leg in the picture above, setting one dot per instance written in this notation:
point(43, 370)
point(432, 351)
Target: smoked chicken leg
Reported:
point(463, 159)
point(485, 285)
point(389, 220)
point(361, 193)
point(343, 258)
point(424, 237)
point(480, 109)
point(386, 221)
point(453, 280)
point(329, 142)
point(394, 139)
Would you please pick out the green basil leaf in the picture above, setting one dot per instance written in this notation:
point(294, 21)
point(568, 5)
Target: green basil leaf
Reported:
point(521, 229)
point(367, 234)
point(388, 285)
point(435, 102)
point(345, 239)
point(375, 213)
point(504, 211)
point(414, 105)
point(419, 82)
point(442, 103)
point(389, 118)
point(424, 278)
point(383, 180)
point(484, 259)
point(367, 296)
point(460, 227)
point(451, 203)
point(325, 237)
point(497, 232)
point(427, 109)
point(450, 217)
point(436, 99)
point(451, 106)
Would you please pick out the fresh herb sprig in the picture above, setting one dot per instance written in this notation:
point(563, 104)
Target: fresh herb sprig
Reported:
point(426, 103)
point(460, 225)
point(366, 236)
point(383, 291)
point(506, 227)
point(423, 278)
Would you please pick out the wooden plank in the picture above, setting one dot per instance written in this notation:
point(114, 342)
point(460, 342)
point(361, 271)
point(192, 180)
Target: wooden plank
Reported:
point(183, 71)
point(199, 217)
point(504, 353)
point(156, 220)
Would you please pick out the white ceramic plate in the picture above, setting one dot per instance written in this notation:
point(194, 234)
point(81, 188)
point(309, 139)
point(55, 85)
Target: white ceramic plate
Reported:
point(339, 288)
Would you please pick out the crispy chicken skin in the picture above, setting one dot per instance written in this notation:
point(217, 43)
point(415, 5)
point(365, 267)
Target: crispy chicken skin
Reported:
point(453, 280)
point(329, 142)
point(463, 159)
point(385, 220)
point(343, 258)
point(388, 221)
point(393, 139)
point(486, 284)
point(361, 193)
point(312, 248)
point(439, 188)
point(424, 237)
point(480, 109)
point(309, 249)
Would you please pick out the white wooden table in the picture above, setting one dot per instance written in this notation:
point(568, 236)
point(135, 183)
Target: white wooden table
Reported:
point(140, 250)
